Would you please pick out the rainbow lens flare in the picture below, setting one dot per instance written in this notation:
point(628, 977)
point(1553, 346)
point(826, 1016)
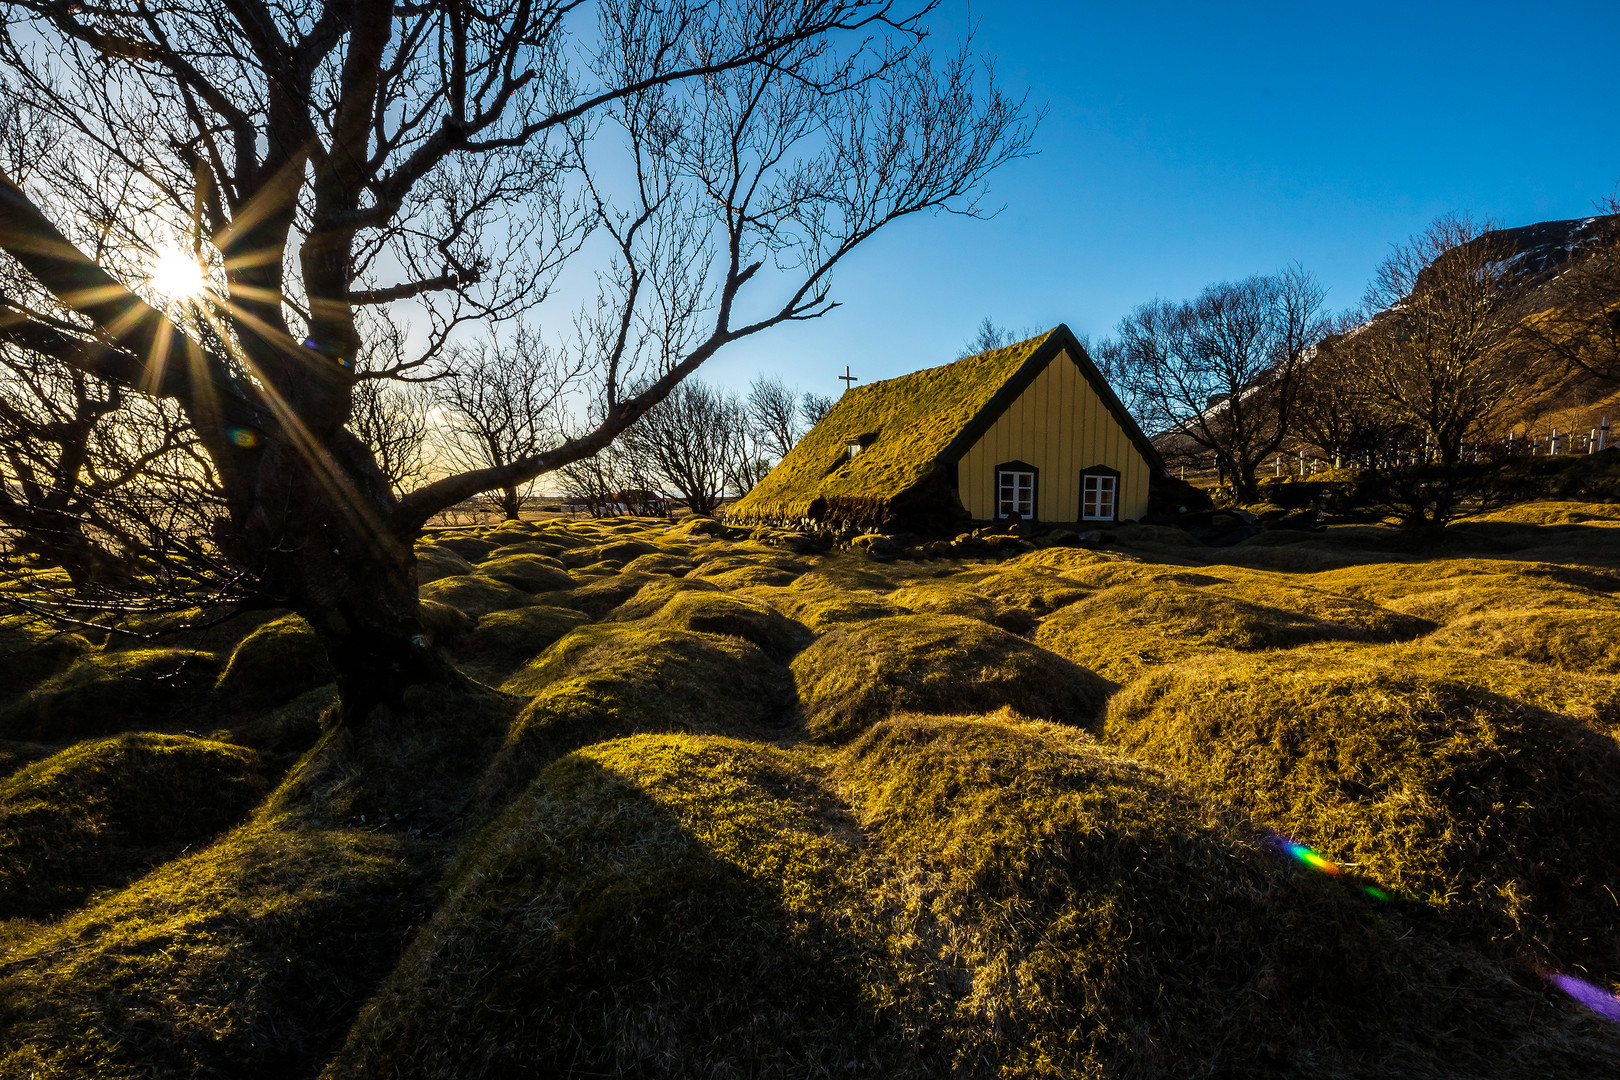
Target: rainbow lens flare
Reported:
point(1595, 998)
point(1308, 857)
point(242, 436)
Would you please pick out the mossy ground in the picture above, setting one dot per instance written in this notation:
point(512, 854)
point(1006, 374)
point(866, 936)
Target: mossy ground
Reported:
point(742, 808)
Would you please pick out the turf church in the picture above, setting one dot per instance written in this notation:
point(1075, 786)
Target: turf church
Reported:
point(1030, 432)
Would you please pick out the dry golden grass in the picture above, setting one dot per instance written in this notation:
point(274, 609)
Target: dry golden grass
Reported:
point(275, 663)
point(1583, 641)
point(503, 641)
point(714, 612)
point(112, 691)
point(91, 816)
point(1497, 814)
point(856, 675)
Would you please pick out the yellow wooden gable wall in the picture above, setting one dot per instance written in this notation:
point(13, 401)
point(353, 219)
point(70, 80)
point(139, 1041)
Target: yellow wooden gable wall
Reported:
point(1060, 426)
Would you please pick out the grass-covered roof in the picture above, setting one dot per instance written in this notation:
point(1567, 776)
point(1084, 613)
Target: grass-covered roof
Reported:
point(907, 427)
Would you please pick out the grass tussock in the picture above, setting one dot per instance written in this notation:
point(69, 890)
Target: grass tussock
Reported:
point(1031, 588)
point(927, 597)
point(713, 612)
point(1579, 640)
point(111, 691)
point(661, 563)
point(275, 663)
point(618, 551)
point(1498, 814)
point(529, 573)
point(665, 906)
point(823, 609)
point(503, 641)
point(246, 959)
point(854, 676)
point(650, 598)
point(434, 561)
point(1084, 915)
point(1128, 629)
point(91, 816)
point(31, 652)
point(475, 594)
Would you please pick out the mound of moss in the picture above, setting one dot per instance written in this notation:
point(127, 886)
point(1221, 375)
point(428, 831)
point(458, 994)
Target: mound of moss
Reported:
point(434, 561)
point(661, 563)
point(1591, 699)
point(1580, 640)
point(469, 545)
point(249, 958)
point(1123, 631)
point(599, 596)
point(1073, 913)
point(607, 681)
point(503, 641)
point(699, 526)
point(545, 548)
point(90, 816)
point(1444, 590)
point(657, 906)
point(444, 623)
point(531, 573)
point(30, 653)
point(619, 551)
point(821, 609)
point(1031, 588)
point(475, 594)
point(276, 663)
point(1498, 814)
point(855, 675)
point(650, 598)
point(734, 616)
point(111, 691)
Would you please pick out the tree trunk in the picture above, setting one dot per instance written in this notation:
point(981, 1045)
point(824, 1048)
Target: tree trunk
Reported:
point(322, 545)
point(510, 503)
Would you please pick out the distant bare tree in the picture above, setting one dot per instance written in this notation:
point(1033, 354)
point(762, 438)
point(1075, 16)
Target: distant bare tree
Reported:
point(990, 335)
point(812, 407)
point(1334, 412)
point(393, 420)
point(1441, 355)
point(1442, 362)
point(501, 404)
point(317, 160)
point(1581, 324)
point(691, 441)
point(773, 415)
point(1215, 378)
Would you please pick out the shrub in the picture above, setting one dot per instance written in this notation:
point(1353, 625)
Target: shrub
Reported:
point(855, 675)
point(1499, 814)
point(92, 815)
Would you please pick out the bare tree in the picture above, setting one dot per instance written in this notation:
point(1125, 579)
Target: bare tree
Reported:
point(500, 404)
point(392, 419)
point(773, 415)
point(690, 442)
point(1440, 357)
point(1215, 378)
point(1333, 411)
point(317, 160)
point(991, 335)
point(1442, 362)
point(812, 407)
point(1581, 322)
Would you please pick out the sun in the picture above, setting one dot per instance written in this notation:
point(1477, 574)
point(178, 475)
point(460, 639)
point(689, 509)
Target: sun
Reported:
point(176, 275)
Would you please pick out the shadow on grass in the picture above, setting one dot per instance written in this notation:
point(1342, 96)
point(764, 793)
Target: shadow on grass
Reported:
point(656, 906)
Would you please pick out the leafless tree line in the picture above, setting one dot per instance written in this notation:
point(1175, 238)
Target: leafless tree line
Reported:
point(365, 185)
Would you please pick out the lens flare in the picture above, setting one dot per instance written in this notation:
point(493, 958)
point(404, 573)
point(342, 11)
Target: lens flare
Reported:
point(1595, 998)
point(242, 436)
point(1309, 857)
point(176, 275)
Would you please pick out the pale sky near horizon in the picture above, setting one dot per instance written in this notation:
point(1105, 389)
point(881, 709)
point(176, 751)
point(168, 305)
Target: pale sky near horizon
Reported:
point(1189, 143)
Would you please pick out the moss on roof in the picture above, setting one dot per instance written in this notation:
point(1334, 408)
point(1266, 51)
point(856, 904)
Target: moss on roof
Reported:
point(910, 421)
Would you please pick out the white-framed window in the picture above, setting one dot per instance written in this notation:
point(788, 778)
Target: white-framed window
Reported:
point(853, 447)
point(1098, 495)
point(1015, 493)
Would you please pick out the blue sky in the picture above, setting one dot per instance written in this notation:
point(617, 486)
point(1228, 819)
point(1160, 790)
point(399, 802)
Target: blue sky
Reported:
point(1190, 143)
